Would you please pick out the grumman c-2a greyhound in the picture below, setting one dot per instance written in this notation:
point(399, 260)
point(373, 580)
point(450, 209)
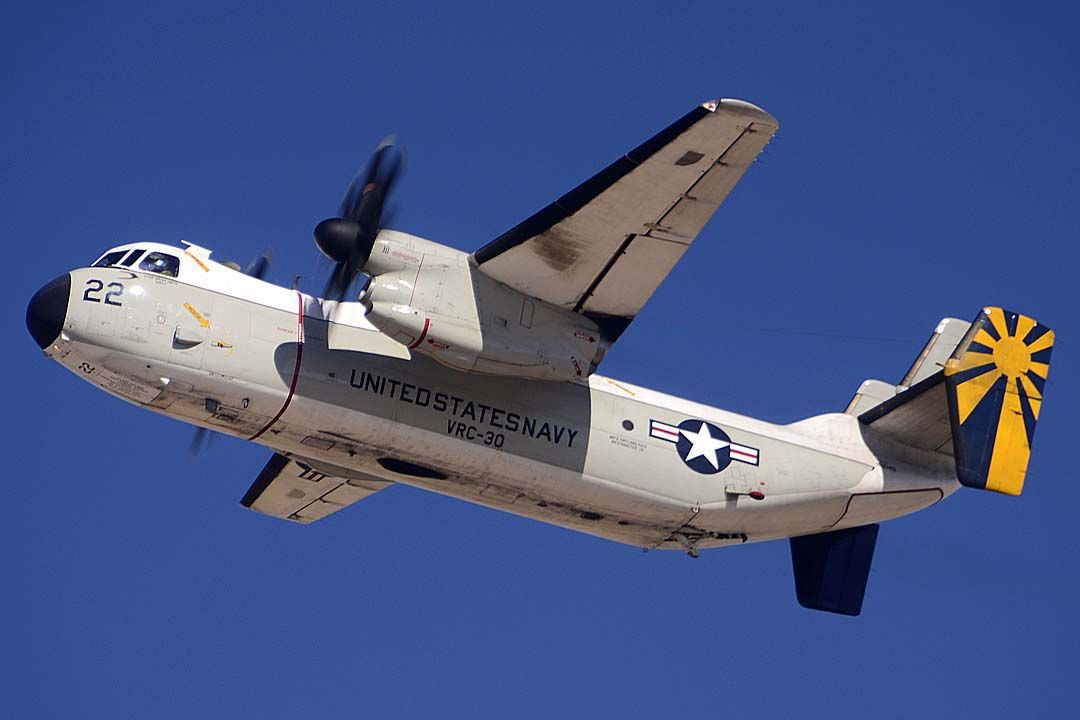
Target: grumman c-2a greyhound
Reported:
point(473, 375)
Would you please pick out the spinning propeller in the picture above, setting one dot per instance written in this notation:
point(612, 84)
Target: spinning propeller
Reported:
point(349, 239)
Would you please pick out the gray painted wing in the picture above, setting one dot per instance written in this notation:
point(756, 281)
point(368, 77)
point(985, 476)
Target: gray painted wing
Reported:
point(295, 489)
point(603, 248)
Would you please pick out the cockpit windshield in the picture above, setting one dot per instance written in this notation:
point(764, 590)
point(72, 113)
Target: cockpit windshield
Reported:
point(110, 258)
point(135, 255)
point(155, 262)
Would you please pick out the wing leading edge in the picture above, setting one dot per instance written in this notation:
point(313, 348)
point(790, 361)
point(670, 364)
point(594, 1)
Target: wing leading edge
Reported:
point(603, 248)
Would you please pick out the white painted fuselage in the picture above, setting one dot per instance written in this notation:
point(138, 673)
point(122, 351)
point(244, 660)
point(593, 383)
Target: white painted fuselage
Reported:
point(315, 380)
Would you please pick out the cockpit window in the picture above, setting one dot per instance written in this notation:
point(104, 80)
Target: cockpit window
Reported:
point(110, 258)
point(157, 262)
point(135, 255)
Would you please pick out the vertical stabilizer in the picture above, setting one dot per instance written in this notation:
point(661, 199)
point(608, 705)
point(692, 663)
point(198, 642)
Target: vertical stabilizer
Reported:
point(831, 569)
point(995, 381)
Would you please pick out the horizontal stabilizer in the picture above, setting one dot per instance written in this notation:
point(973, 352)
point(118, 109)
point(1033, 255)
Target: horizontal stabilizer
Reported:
point(831, 568)
point(869, 395)
point(917, 416)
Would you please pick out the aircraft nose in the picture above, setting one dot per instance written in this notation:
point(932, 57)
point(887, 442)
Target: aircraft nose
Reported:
point(47, 309)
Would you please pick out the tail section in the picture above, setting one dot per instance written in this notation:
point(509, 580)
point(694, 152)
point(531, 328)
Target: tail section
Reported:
point(994, 382)
point(937, 351)
point(974, 392)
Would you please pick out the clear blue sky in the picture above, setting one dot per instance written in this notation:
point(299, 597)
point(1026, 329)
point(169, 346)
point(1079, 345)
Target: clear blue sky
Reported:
point(927, 164)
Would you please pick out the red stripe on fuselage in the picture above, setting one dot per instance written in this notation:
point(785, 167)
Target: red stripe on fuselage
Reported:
point(296, 368)
point(423, 334)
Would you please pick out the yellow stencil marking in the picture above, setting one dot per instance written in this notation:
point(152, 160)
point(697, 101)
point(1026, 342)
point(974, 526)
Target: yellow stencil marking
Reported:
point(197, 315)
point(625, 390)
point(198, 261)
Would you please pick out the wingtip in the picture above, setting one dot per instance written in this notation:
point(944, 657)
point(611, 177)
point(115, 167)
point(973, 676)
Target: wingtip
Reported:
point(740, 106)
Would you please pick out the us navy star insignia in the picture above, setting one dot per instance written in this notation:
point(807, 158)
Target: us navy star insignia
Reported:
point(704, 447)
point(704, 444)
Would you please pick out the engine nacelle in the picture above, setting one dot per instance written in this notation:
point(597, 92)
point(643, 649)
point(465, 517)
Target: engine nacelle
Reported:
point(441, 306)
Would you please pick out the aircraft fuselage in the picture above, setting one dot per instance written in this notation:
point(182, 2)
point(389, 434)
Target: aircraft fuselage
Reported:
point(217, 349)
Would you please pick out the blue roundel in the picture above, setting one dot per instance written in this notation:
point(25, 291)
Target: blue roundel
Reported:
point(704, 447)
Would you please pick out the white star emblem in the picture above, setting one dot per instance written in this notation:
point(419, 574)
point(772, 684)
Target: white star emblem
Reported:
point(703, 444)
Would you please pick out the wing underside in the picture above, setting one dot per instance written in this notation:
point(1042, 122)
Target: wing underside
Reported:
point(603, 248)
point(296, 489)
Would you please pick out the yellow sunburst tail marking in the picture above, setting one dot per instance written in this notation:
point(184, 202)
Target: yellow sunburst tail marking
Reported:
point(995, 381)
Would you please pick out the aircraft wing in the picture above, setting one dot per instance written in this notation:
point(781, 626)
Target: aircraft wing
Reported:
point(293, 488)
point(603, 248)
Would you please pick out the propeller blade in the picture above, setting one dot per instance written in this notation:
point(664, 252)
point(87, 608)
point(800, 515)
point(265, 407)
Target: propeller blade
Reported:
point(371, 177)
point(348, 239)
point(339, 282)
point(200, 441)
point(259, 265)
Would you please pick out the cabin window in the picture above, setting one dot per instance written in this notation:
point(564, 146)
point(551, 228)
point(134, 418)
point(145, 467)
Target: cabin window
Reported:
point(110, 258)
point(161, 263)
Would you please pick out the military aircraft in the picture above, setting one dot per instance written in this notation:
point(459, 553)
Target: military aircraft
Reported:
point(474, 375)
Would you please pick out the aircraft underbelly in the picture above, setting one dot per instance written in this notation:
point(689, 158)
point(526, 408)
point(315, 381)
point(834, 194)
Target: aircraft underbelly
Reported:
point(558, 452)
point(597, 482)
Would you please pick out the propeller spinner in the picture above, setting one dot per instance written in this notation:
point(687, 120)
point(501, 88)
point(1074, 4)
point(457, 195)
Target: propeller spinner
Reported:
point(349, 239)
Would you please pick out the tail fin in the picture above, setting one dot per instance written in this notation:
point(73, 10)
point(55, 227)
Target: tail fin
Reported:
point(946, 336)
point(995, 380)
point(831, 568)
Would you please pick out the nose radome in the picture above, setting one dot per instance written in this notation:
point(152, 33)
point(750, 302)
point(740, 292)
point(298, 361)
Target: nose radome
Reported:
point(47, 310)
